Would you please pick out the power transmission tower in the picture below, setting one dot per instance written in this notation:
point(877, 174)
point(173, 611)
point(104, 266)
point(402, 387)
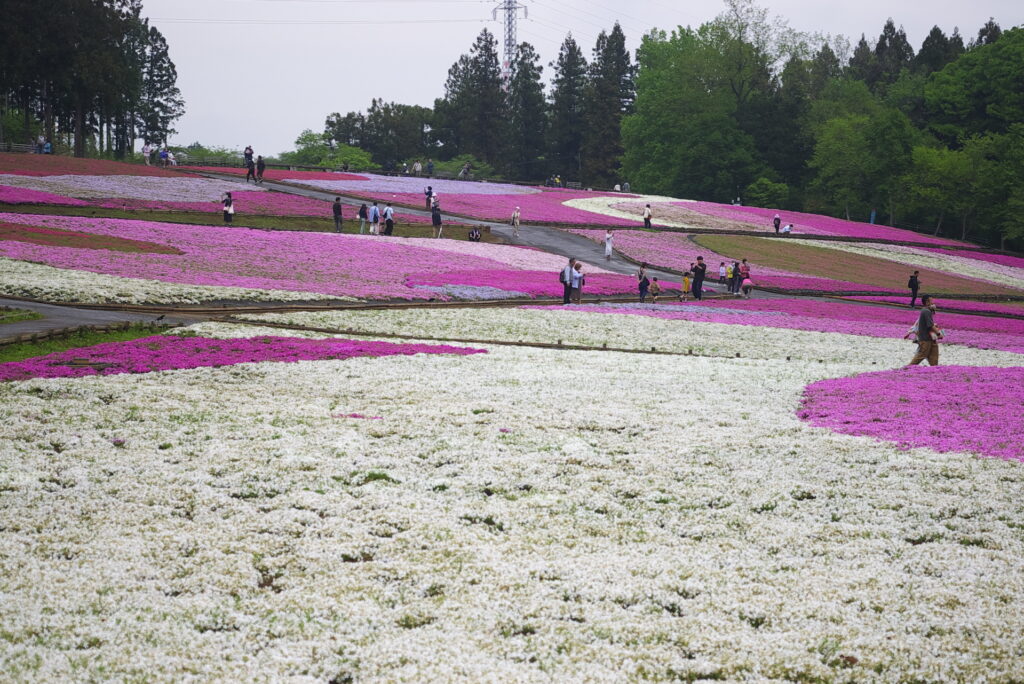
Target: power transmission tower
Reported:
point(510, 8)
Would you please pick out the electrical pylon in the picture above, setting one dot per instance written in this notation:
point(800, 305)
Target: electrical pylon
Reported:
point(510, 9)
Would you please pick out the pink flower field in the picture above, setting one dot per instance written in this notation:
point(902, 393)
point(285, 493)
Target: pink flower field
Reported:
point(677, 251)
point(366, 267)
point(172, 352)
point(532, 283)
point(829, 316)
point(1013, 308)
point(813, 224)
point(14, 195)
point(945, 408)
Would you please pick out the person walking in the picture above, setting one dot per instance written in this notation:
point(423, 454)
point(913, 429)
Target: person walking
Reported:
point(364, 213)
point(417, 168)
point(744, 270)
point(435, 218)
point(515, 223)
point(700, 270)
point(608, 244)
point(914, 284)
point(721, 273)
point(928, 334)
point(643, 282)
point(777, 222)
point(250, 170)
point(336, 210)
point(389, 219)
point(687, 278)
point(163, 157)
point(565, 277)
point(374, 219)
point(146, 152)
point(428, 193)
point(261, 166)
point(430, 168)
point(648, 215)
point(655, 290)
point(578, 279)
point(229, 207)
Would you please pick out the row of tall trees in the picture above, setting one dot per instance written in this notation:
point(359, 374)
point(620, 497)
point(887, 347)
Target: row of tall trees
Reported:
point(520, 130)
point(742, 106)
point(92, 74)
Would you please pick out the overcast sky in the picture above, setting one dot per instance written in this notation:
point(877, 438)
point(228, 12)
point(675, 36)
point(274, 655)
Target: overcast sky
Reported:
point(260, 71)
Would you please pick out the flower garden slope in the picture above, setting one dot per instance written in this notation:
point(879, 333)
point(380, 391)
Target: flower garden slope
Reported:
point(483, 529)
point(56, 165)
point(366, 267)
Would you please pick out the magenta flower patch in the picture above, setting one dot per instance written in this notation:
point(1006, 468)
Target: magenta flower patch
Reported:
point(171, 352)
point(14, 195)
point(945, 408)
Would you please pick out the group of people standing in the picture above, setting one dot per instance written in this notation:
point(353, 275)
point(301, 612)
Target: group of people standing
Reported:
point(164, 157)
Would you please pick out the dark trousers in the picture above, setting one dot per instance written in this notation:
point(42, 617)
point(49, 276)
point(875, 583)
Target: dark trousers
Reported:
point(734, 286)
point(337, 223)
point(913, 297)
point(643, 292)
point(566, 293)
point(389, 227)
point(698, 289)
point(647, 223)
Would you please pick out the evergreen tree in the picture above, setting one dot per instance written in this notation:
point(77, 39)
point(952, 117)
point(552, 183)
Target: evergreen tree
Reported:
point(862, 65)
point(608, 97)
point(565, 131)
point(471, 116)
point(893, 53)
point(161, 101)
point(527, 115)
point(987, 34)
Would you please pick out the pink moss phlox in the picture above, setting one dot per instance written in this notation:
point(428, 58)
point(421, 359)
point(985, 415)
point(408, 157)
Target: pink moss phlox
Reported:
point(814, 224)
point(14, 195)
point(945, 408)
point(834, 317)
point(533, 283)
point(172, 352)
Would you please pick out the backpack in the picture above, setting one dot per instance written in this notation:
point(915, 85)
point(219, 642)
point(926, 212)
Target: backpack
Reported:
point(911, 284)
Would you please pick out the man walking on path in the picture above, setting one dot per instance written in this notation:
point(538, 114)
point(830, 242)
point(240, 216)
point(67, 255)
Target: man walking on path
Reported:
point(776, 222)
point(928, 335)
point(389, 219)
point(430, 168)
point(261, 166)
point(374, 219)
point(700, 270)
point(146, 152)
point(647, 217)
point(566, 278)
point(250, 170)
point(435, 218)
point(914, 284)
point(336, 208)
point(515, 223)
point(428, 192)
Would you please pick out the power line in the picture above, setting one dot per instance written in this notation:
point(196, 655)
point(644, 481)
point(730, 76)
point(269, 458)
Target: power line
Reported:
point(307, 22)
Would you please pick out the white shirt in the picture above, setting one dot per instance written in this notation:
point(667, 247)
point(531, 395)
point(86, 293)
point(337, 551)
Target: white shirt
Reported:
point(577, 278)
point(389, 213)
point(647, 212)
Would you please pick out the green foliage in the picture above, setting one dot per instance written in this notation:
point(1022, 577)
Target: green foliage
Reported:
point(20, 351)
point(981, 92)
point(765, 193)
point(527, 115)
point(478, 168)
point(607, 97)
point(565, 132)
point(313, 149)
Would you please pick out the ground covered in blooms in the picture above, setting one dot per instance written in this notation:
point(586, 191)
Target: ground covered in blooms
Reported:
point(524, 514)
point(948, 408)
point(263, 263)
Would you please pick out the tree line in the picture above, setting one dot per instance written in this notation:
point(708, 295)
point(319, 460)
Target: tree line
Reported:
point(740, 107)
point(92, 75)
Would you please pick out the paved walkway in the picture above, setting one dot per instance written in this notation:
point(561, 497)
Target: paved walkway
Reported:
point(550, 240)
point(56, 317)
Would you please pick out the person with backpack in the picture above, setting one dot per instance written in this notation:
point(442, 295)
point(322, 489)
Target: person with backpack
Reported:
point(565, 277)
point(389, 219)
point(374, 219)
point(578, 280)
point(927, 334)
point(364, 214)
point(913, 285)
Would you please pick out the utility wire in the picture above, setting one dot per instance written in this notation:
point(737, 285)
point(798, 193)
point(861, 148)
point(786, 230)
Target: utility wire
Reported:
point(308, 22)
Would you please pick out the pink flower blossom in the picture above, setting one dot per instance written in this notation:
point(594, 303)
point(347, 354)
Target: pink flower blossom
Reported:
point(172, 352)
point(945, 408)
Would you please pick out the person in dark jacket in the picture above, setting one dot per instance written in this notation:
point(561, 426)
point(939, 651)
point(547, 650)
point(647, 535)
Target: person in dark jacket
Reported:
point(914, 284)
point(336, 210)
